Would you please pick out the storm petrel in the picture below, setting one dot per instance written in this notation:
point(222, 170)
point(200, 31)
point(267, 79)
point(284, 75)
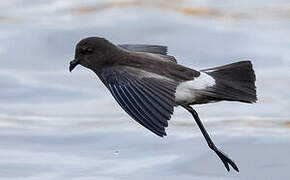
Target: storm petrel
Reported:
point(147, 83)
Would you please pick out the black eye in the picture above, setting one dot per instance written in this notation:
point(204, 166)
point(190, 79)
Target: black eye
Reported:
point(87, 51)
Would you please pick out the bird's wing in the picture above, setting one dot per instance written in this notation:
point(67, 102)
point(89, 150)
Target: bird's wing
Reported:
point(155, 49)
point(146, 97)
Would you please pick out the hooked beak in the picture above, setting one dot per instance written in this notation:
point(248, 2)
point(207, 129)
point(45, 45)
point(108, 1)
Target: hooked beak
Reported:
point(73, 64)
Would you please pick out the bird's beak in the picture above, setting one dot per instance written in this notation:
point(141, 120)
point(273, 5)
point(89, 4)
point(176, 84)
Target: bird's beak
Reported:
point(73, 64)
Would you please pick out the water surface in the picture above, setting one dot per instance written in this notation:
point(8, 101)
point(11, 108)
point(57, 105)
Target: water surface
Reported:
point(60, 125)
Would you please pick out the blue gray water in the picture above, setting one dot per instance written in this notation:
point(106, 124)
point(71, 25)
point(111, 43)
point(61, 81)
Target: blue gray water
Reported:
point(60, 125)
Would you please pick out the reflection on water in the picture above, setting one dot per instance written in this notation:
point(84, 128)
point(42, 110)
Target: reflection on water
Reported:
point(55, 124)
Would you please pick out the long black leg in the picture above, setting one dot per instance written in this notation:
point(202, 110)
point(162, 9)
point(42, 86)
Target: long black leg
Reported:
point(226, 160)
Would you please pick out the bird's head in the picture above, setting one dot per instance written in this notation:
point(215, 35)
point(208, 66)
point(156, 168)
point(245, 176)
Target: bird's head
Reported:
point(92, 52)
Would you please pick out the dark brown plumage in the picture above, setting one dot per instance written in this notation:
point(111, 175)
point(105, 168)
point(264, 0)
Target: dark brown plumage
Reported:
point(147, 83)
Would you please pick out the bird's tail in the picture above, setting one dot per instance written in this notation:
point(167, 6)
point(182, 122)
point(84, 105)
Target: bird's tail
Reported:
point(234, 82)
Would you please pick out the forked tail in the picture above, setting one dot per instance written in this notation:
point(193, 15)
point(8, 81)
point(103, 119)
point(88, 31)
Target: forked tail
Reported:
point(234, 82)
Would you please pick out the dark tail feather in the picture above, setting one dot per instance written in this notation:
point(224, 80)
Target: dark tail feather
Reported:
point(234, 82)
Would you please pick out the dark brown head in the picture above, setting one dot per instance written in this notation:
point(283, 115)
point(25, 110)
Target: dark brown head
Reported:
point(92, 52)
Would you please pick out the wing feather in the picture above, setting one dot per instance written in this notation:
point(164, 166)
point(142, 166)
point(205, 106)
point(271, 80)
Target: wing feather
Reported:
point(155, 49)
point(159, 100)
point(148, 100)
point(127, 106)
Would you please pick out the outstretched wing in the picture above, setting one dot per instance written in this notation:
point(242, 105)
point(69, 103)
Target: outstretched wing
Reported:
point(147, 97)
point(159, 52)
point(155, 49)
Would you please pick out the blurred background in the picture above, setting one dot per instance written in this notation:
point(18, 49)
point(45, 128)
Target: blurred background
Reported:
point(60, 125)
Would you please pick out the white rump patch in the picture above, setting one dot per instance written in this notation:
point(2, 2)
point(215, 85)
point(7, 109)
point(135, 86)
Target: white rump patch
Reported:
point(186, 92)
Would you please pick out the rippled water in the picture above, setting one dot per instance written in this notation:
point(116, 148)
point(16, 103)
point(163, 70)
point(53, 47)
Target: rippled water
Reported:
point(60, 125)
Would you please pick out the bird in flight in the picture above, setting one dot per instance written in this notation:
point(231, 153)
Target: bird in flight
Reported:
point(148, 83)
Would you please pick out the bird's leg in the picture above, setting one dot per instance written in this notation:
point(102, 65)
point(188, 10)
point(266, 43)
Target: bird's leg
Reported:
point(226, 160)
